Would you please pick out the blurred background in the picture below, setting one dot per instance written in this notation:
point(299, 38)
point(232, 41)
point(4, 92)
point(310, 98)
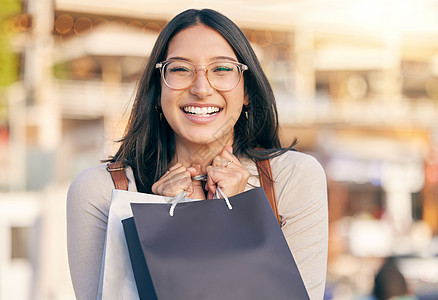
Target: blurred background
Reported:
point(356, 82)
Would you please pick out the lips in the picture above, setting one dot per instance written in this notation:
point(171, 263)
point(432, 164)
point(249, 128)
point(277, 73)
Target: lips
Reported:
point(204, 111)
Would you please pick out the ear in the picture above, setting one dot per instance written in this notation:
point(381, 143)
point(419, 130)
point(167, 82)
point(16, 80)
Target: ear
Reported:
point(246, 99)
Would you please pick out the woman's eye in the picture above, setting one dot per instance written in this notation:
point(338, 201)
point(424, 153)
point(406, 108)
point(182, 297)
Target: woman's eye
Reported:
point(178, 69)
point(222, 69)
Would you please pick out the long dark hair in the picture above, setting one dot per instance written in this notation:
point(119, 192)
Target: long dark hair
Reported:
point(148, 145)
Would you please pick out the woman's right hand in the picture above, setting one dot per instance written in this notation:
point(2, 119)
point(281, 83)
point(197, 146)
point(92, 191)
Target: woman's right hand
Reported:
point(177, 179)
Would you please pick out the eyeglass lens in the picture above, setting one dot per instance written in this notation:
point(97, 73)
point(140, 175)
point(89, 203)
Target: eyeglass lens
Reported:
point(221, 75)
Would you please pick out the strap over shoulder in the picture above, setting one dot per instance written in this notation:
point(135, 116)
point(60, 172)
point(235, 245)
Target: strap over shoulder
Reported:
point(267, 183)
point(117, 171)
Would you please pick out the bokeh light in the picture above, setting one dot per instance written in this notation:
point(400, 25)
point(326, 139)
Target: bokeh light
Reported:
point(64, 24)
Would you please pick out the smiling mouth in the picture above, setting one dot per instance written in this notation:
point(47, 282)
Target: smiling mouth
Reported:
point(201, 111)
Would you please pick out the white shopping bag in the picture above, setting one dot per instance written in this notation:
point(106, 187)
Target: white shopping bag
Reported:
point(116, 277)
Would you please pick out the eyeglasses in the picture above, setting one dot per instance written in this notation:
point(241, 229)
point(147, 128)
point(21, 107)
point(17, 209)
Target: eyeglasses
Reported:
point(221, 75)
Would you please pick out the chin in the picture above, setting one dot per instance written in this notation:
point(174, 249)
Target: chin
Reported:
point(204, 141)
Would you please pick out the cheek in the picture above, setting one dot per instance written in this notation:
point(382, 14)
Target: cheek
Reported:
point(240, 98)
point(169, 104)
point(164, 96)
point(243, 97)
point(164, 103)
point(168, 97)
point(244, 93)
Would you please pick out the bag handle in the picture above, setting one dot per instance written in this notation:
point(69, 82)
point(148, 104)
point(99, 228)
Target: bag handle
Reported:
point(117, 171)
point(175, 200)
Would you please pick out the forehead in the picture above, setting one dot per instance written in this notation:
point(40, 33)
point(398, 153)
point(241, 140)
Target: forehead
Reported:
point(199, 43)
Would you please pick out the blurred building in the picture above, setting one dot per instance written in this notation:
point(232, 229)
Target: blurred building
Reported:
point(356, 82)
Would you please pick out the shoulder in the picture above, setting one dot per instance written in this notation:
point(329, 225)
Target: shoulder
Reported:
point(299, 174)
point(285, 167)
point(91, 188)
point(93, 178)
point(98, 178)
point(94, 186)
point(294, 162)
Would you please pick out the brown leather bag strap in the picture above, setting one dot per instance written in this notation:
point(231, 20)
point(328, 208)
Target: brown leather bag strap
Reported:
point(117, 171)
point(267, 183)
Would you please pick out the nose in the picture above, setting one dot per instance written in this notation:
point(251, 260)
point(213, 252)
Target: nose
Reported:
point(201, 87)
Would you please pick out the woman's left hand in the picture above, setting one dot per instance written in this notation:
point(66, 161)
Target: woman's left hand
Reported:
point(227, 173)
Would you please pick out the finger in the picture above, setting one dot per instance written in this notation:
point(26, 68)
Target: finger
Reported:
point(175, 166)
point(194, 169)
point(179, 178)
point(189, 190)
point(232, 160)
point(230, 181)
point(210, 184)
point(174, 188)
point(222, 159)
point(176, 170)
point(216, 177)
point(197, 167)
point(173, 183)
point(193, 172)
point(225, 159)
point(229, 149)
point(209, 193)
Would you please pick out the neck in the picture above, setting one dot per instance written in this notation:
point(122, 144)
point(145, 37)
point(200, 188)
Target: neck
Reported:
point(202, 155)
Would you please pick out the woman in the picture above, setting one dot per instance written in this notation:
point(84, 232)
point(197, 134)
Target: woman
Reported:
point(203, 107)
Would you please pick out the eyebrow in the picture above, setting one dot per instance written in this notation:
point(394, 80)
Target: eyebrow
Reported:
point(216, 58)
point(224, 58)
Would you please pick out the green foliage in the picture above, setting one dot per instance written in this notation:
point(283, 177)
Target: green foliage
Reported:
point(60, 71)
point(9, 65)
point(9, 7)
point(8, 60)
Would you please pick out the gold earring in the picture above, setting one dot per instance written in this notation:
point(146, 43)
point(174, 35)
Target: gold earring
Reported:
point(159, 111)
point(246, 109)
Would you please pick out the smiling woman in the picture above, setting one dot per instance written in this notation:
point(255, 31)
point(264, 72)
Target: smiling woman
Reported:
point(188, 93)
point(204, 109)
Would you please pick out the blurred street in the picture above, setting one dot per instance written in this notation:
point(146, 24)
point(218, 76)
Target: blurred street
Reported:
point(356, 82)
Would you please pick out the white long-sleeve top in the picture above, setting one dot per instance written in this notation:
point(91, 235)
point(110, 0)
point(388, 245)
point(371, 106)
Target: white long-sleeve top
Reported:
point(300, 187)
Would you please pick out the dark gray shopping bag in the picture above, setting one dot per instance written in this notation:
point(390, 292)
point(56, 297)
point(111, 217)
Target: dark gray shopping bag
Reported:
point(140, 269)
point(208, 251)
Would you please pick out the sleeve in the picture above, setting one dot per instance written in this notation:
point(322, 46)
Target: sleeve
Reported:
point(88, 201)
point(301, 189)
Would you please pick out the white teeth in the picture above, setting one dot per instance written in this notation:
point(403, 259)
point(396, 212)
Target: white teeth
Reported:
point(201, 111)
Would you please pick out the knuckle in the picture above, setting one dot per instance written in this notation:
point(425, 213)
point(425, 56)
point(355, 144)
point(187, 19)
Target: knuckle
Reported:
point(217, 160)
point(186, 174)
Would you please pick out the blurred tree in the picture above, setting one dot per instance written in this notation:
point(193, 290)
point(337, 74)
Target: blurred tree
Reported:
point(8, 60)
